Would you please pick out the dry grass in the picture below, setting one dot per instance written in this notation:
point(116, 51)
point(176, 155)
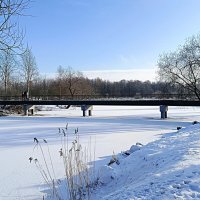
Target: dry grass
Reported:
point(79, 176)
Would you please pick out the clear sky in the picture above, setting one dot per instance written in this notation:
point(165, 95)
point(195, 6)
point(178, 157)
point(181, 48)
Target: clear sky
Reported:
point(107, 34)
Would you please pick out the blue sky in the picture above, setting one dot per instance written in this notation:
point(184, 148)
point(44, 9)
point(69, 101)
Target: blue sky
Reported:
point(107, 34)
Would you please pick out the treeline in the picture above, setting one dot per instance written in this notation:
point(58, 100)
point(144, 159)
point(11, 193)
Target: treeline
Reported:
point(130, 88)
point(24, 76)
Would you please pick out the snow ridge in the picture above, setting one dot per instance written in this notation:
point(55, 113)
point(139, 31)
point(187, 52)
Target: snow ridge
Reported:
point(168, 168)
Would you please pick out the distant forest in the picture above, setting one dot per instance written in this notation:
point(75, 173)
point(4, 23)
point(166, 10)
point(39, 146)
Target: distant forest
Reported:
point(72, 83)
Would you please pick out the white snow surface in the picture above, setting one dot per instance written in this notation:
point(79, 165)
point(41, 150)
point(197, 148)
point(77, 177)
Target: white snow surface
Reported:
point(168, 168)
point(165, 167)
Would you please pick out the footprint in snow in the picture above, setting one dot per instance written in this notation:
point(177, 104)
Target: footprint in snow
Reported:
point(186, 182)
point(177, 186)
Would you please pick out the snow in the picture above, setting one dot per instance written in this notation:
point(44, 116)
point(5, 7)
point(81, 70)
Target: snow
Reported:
point(165, 167)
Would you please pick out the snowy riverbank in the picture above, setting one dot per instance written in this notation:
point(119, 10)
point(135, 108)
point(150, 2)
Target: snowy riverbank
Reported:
point(168, 168)
point(114, 129)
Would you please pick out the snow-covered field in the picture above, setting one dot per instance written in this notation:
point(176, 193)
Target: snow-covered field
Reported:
point(165, 169)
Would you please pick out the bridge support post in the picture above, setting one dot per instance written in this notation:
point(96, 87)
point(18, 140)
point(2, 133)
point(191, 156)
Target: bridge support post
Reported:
point(32, 109)
point(83, 113)
point(90, 112)
point(84, 108)
point(25, 108)
point(28, 108)
point(163, 111)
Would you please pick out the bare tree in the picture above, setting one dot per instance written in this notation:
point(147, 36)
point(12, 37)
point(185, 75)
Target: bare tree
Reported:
point(10, 34)
point(7, 68)
point(72, 81)
point(182, 67)
point(29, 70)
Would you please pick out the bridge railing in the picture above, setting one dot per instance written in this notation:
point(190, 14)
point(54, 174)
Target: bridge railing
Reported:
point(9, 98)
point(100, 97)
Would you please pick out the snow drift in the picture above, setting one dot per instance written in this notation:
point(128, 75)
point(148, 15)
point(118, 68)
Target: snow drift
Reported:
point(168, 168)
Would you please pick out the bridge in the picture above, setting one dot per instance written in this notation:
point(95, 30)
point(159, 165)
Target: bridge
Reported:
point(106, 96)
point(87, 103)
